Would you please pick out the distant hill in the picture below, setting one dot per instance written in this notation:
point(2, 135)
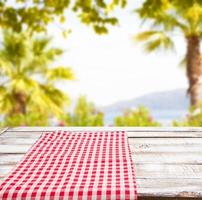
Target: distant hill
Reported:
point(173, 99)
point(164, 106)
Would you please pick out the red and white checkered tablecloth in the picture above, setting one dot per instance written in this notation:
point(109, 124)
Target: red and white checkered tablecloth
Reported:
point(74, 165)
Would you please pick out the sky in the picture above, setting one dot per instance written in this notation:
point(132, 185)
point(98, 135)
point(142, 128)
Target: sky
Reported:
point(113, 67)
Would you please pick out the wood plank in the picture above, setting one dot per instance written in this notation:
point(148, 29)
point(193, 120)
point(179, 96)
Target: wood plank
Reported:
point(17, 141)
point(167, 158)
point(5, 170)
point(12, 135)
point(163, 149)
point(145, 145)
point(164, 134)
point(22, 138)
point(134, 149)
point(137, 142)
point(10, 159)
point(141, 158)
point(19, 149)
point(168, 171)
point(166, 144)
point(165, 141)
point(169, 183)
point(154, 171)
point(132, 132)
point(139, 134)
point(170, 187)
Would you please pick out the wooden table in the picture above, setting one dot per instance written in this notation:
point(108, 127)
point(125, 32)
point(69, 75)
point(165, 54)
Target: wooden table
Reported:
point(168, 161)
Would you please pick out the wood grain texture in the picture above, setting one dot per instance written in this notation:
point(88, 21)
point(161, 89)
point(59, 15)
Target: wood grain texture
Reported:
point(132, 133)
point(168, 162)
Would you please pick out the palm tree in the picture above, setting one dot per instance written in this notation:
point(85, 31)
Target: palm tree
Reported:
point(173, 16)
point(27, 79)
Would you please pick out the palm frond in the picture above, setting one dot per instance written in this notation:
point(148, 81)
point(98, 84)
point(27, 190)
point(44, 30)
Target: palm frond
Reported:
point(41, 46)
point(153, 40)
point(60, 73)
point(23, 83)
point(15, 46)
point(45, 103)
point(146, 35)
point(56, 95)
point(169, 22)
point(42, 56)
point(152, 45)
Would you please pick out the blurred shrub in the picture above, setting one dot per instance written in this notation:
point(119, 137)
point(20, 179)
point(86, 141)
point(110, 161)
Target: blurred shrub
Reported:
point(30, 119)
point(193, 118)
point(137, 117)
point(84, 114)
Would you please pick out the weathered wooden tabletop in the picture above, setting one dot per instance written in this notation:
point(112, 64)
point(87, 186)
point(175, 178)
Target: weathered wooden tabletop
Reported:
point(168, 161)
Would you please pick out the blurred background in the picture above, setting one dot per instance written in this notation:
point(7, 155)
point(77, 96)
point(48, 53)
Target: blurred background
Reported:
point(100, 63)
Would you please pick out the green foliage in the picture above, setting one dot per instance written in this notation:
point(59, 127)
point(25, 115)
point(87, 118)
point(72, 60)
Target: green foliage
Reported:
point(28, 88)
point(193, 118)
point(167, 17)
point(172, 14)
point(85, 114)
point(36, 15)
point(137, 117)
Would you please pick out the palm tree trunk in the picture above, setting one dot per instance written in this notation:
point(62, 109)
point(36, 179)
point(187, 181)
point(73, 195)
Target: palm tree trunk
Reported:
point(20, 106)
point(194, 68)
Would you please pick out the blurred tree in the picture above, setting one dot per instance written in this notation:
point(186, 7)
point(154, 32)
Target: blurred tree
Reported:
point(28, 82)
point(168, 17)
point(85, 114)
point(193, 118)
point(37, 14)
point(137, 117)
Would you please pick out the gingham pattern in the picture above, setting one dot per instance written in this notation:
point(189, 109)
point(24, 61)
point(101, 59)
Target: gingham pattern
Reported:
point(74, 165)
